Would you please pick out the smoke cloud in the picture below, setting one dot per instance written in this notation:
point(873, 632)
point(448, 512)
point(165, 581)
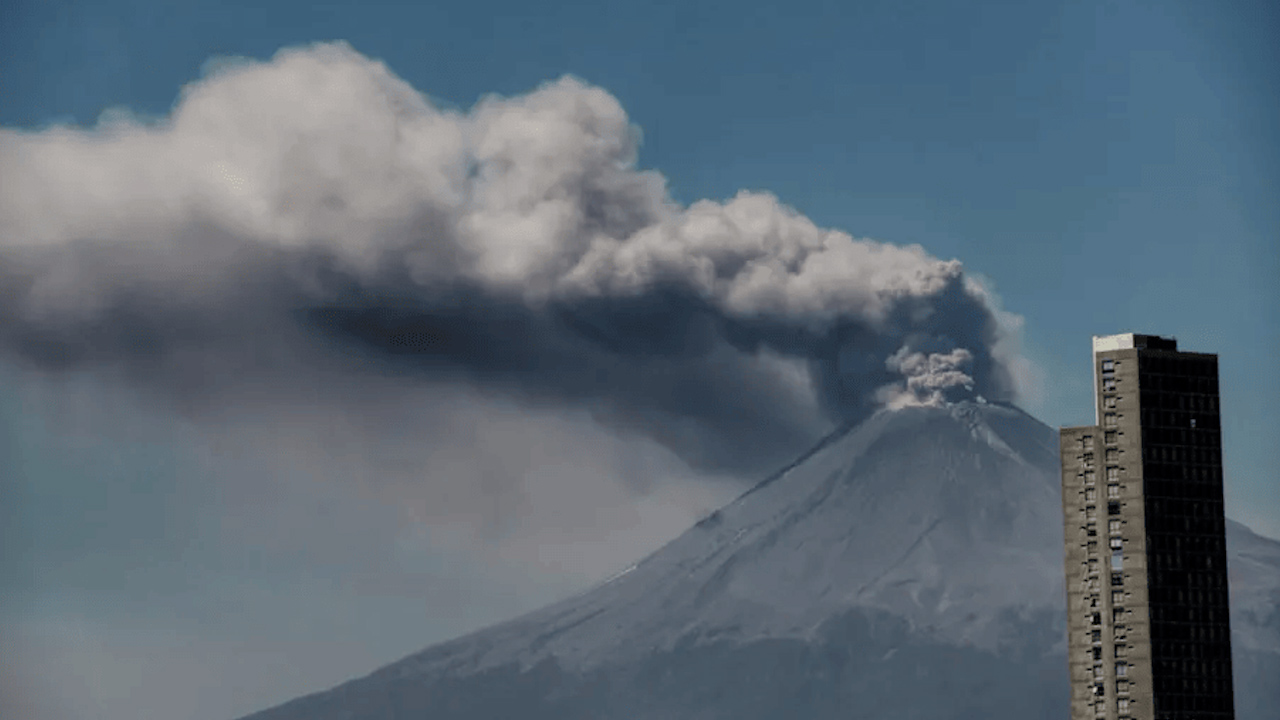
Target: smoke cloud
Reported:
point(314, 217)
point(930, 378)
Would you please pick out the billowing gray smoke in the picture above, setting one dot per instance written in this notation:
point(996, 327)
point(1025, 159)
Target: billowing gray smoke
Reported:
point(317, 212)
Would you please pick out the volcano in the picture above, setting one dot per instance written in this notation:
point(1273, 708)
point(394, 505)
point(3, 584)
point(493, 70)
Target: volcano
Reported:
point(907, 567)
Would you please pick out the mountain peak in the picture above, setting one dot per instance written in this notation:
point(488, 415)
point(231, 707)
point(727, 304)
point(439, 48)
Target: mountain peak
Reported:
point(931, 512)
point(924, 543)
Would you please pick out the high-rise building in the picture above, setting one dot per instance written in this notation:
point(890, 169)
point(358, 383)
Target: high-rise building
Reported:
point(1146, 565)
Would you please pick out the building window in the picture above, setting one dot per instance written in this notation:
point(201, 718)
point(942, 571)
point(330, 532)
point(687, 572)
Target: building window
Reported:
point(1122, 705)
point(1116, 543)
point(1108, 365)
point(1122, 686)
point(1117, 579)
point(1117, 597)
point(1121, 650)
point(1117, 560)
point(1097, 653)
point(1093, 566)
point(1109, 420)
point(1091, 513)
point(1113, 508)
point(1110, 437)
point(1109, 384)
point(1089, 478)
point(1113, 474)
point(1088, 460)
point(1091, 529)
point(1113, 526)
point(1097, 637)
point(1090, 495)
point(1109, 401)
point(1122, 669)
point(1113, 455)
point(1113, 491)
point(1091, 547)
point(1097, 671)
point(1086, 443)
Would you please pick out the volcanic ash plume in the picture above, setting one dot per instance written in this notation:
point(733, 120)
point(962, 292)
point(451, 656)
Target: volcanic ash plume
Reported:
point(317, 211)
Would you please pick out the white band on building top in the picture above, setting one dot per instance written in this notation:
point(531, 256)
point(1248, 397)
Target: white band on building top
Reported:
point(1129, 341)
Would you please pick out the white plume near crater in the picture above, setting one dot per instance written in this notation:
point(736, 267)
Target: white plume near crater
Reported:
point(930, 378)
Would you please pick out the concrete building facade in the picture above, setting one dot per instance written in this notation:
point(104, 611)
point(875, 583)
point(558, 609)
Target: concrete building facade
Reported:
point(1146, 568)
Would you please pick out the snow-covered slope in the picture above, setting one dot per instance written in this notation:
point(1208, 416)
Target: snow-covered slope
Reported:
point(908, 567)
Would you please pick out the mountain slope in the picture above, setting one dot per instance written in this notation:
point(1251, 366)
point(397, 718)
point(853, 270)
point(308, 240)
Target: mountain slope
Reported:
point(910, 567)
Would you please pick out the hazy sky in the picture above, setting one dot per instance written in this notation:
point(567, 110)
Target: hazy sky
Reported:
point(313, 357)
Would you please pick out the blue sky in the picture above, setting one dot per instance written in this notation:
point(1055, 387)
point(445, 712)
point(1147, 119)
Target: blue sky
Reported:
point(1105, 167)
